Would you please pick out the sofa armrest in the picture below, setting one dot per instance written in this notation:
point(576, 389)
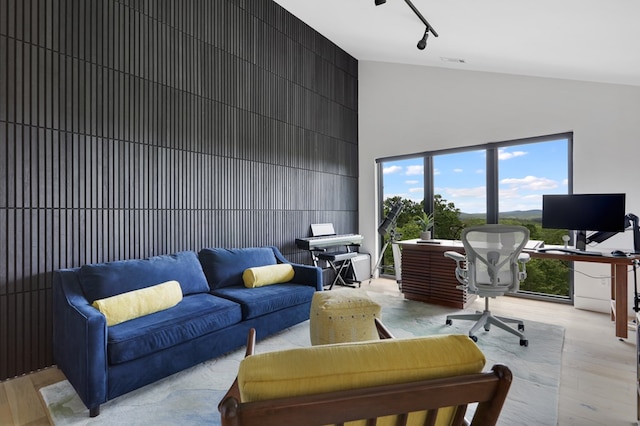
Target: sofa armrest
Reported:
point(79, 339)
point(304, 274)
point(308, 275)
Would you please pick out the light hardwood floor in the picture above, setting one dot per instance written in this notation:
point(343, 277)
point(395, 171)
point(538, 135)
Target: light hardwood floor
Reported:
point(597, 386)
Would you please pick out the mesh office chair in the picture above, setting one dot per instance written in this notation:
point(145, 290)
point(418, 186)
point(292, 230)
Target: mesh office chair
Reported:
point(494, 265)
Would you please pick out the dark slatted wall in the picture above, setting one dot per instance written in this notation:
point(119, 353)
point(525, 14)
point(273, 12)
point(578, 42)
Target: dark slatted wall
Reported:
point(142, 127)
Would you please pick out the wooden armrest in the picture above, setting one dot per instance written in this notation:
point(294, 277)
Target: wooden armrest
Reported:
point(251, 342)
point(383, 331)
point(234, 390)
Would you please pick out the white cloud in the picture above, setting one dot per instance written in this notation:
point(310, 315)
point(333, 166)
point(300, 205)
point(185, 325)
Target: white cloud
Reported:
point(411, 195)
point(479, 171)
point(504, 155)
point(458, 170)
point(530, 183)
point(455, 193)
point(415, 170)
point(509, 193)
point(416, 190)
point(436, 172)
point(411, 182)
point(391, 170)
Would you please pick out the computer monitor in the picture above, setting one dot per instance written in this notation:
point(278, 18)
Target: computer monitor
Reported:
point(584, 212)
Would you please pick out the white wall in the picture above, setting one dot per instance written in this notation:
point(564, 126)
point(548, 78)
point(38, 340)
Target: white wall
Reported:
point(405, 109)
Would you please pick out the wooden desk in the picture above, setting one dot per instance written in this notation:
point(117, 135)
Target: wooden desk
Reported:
point(429, 277)
point(619, 278)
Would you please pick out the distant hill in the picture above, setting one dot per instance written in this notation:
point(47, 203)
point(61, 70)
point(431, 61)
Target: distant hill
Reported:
point(534, 215)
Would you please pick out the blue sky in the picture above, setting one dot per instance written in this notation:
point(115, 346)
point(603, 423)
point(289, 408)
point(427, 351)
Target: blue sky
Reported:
point(525, 173)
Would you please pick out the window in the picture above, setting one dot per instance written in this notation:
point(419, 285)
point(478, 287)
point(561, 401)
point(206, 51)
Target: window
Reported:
point(402, 182)
point(493, 183)
point(525, 172)
point(460, 180)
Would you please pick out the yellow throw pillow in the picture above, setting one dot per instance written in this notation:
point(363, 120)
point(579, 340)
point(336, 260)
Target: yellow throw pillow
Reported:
point(133, 304)
point(342, 366)
point(265, 275)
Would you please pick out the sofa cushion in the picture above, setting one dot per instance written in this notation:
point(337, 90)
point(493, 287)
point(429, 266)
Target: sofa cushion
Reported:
point(102, 280)
point(195, 316)
point(267, 275)
point(259, 301)
point(224, 267)
point(133, 304)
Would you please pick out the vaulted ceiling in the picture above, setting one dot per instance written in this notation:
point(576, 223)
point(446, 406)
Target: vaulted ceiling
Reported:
point(590, 40)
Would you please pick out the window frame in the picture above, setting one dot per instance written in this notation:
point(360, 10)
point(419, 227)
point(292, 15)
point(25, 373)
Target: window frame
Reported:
point(492, 185)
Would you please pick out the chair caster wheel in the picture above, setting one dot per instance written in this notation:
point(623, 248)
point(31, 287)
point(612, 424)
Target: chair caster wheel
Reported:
point(474, 338)
point(520, 327)
point(524, 342)
point(448, 322)
point(487, 328)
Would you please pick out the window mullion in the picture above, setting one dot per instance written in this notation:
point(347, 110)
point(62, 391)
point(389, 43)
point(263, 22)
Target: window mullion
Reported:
point(492, 185)
point(428, 184)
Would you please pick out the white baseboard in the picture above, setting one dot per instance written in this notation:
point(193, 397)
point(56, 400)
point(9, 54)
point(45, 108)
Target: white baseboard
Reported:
point(591, 304)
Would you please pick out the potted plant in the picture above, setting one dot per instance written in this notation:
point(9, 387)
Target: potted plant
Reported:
point(425, 221)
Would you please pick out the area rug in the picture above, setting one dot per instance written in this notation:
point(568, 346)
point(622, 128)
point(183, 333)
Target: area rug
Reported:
point(191, 396)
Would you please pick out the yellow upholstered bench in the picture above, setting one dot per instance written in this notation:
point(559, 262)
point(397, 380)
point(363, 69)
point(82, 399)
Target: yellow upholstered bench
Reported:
point(393, 380)
point(342, 316)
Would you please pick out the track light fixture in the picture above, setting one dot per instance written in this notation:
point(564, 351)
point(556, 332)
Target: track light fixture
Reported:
point(423, 41)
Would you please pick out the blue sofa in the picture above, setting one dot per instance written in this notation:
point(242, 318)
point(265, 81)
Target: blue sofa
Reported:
point(213, 317)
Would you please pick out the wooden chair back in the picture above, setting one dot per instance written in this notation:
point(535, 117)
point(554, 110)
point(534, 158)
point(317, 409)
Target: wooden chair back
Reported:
point(488, 389)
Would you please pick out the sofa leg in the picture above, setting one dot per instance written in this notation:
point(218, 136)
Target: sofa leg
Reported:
point(94, 411)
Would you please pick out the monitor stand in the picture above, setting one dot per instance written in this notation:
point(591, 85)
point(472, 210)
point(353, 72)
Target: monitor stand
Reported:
point(581, 240)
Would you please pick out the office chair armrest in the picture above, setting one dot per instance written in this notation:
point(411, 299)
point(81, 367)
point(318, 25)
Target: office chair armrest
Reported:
point(461, 267)
point(455, 256)
point(523, 258)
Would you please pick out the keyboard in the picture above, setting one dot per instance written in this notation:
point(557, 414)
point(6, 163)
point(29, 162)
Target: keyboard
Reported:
point(310, 243)
point(569, 251)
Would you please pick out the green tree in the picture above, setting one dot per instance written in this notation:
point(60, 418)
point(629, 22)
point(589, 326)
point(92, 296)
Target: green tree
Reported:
point(448, 225)
point(410, 209)
point(447, 222)
point(545, 276)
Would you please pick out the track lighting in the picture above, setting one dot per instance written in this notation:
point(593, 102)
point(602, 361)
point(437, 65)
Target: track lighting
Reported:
point(423, 41)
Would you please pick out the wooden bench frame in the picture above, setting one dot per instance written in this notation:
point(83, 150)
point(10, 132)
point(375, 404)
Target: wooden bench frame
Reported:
point(489, 389)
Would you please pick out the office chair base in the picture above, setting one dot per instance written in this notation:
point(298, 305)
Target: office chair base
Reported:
point(485, 320)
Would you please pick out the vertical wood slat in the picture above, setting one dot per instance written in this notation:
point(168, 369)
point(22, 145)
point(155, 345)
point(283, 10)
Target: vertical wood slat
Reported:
point(131, 129)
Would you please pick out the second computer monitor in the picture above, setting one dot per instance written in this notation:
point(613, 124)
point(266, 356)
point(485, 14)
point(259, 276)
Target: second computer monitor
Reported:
point(584, 212)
